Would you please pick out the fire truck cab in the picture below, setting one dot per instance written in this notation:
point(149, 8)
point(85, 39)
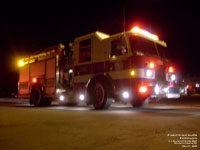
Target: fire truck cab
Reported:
point(129, 66)
point(100, 68)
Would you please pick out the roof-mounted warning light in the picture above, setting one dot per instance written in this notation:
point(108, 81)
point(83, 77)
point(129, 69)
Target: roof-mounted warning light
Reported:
point(145, 33)
point(21, 63)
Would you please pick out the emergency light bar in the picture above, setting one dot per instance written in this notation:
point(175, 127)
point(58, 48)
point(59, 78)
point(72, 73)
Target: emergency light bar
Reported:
point(137, 31)
point(144, 33)
point(42, 54)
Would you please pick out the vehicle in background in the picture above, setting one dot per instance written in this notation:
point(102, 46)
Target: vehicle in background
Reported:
point(191, 85)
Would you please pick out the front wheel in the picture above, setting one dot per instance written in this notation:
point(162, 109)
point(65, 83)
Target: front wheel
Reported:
point(100, 96)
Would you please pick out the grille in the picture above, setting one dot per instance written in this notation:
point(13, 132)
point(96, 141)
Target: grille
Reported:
point(174, 90)
point(160, 74)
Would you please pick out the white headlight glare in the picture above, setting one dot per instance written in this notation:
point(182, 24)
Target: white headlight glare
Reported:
point(81, 97)
point(58, 91)
point(173, 77)
point(149, 73)
point(157, 89)
point(165, 89)
point(70, 71)
point(197, 85)
point(125, 94)
point(62, 98)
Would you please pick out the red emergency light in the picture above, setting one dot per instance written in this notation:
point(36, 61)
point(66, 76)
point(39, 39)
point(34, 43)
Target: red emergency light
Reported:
point(34, 80)
point(171, 69)
point(145, 33)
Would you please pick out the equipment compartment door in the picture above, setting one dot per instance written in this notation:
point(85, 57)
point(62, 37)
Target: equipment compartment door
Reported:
point(23, 89)
point(50, 82)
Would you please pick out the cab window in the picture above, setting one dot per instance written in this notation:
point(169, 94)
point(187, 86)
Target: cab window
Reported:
point(85, 51)
point(117, 48)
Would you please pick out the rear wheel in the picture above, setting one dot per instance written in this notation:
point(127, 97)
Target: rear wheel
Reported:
point(47, 101)
point(36, 96)
point(100, 96)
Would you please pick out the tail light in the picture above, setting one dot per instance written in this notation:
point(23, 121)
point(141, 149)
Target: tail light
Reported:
point(187, 86)
point(171, 84)
point(34, 80)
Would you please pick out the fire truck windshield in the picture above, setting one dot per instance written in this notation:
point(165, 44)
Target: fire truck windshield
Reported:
point(143, 46)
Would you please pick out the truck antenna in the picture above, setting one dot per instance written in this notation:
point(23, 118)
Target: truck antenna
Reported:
point(124, 20)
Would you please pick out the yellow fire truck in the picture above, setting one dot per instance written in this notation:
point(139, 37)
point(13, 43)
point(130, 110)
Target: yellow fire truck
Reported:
point(99, 68)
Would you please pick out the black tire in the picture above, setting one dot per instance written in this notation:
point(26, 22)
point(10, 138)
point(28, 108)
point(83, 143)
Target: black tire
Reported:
point(139, 102)
point(47, 101)
point(36, 96)
point(100, 97)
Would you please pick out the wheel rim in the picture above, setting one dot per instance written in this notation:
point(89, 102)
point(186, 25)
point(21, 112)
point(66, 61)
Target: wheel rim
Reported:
point(99, 94)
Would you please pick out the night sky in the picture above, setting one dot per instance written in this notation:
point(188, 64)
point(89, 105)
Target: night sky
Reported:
point(27, 27)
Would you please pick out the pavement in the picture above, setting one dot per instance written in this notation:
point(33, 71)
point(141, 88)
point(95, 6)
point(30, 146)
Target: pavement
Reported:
point(155, 127)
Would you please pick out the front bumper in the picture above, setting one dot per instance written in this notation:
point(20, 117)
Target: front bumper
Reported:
point(165, 92)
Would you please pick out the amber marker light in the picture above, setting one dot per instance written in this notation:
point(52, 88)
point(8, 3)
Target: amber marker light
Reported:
point(151, 65)
point(132, 73)
point(21, 63)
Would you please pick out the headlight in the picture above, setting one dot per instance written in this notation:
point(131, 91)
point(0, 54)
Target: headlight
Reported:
point(81, 97)
point(173, 77)
point(58, 91)
point(149, 73)
point(70, 71)
point(125, 95)
point(166, 89)
point(197, 85)
point(157, 89)
point(62, 98)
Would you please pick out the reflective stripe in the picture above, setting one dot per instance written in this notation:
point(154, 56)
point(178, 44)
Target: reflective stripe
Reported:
point(82, 78)
point(116, 75)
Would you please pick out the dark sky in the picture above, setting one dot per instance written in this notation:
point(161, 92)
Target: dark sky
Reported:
point(27, 27)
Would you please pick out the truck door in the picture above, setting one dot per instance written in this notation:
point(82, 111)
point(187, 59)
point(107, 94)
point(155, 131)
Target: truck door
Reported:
point(50, 82)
